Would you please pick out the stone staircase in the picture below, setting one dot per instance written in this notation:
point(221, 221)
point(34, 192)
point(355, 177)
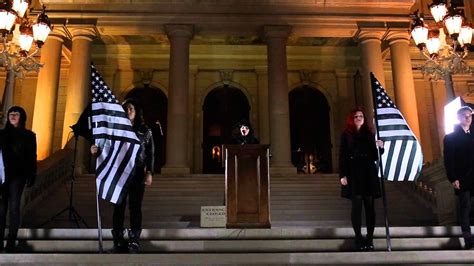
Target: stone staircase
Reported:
point(175, 201)
point(310, 225)
point(276, 246)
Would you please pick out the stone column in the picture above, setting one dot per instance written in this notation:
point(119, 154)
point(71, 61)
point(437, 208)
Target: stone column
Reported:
point(78, 90)
point(403, 81)
point(276, 38)
point(78, 86)
point(177, 132)
point(263, 125)
point(371, 61)
point(47, 93)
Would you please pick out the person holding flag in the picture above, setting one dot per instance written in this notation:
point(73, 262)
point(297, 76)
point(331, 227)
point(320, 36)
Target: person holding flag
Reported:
point(143, 174)
point(358, 174)
point(459, 164)
point(125, 158)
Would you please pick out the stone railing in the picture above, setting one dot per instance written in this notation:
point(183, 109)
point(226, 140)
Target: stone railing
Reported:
point(52, 172)
point(434, 187)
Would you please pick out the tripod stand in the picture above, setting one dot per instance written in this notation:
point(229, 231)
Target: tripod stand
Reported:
point(73, 215)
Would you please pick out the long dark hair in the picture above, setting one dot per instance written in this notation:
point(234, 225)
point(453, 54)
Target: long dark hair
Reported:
point(22, 122)
point(350, 127)
point(139, 120)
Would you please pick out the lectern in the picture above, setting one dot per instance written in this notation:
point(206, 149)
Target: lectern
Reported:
point(247, 186)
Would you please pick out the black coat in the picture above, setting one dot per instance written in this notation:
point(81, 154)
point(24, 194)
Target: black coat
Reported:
point(459, 158)
point(357, 158)
point(19, 154)
point(146, 156)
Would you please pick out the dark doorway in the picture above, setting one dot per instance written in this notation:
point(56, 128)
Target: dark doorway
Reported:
point(223, 107)
point(310, 130)
point(155, 111)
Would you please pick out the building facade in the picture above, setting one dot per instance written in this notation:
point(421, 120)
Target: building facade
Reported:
point(294, 69)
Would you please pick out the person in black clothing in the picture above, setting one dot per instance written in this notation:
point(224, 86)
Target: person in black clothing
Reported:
point(143, 174)
point(459, 164)
point(18, 146)
point(358, 174)
point(242, 133)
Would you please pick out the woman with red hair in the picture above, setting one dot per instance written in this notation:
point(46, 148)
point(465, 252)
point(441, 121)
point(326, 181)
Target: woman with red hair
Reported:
point(358, 174)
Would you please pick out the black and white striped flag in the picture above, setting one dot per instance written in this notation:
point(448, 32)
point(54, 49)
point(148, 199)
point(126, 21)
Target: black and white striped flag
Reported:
point(403, 158)
point(113, 134)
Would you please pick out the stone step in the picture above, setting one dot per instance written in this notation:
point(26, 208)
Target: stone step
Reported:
point(300, 232)
point(296, 258)
point(240, 246)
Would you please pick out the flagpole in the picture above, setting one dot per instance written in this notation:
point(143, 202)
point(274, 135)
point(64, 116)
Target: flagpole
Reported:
point(97, 206)
point(99, 223)
point(380, 168)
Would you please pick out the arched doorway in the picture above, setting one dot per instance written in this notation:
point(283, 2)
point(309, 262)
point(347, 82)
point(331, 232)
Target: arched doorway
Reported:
point(223, 107)
point(155, 111)
point(310, 130)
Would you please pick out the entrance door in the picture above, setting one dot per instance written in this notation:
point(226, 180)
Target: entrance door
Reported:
point(310, 130)
point(155, 111)
point(223, 108)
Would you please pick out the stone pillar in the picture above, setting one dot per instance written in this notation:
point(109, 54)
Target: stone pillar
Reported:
point(276, 38)
point(403, 81)
point(78, 86)
point(371, 61)
point(47, 93)
point(263, 125)
point(177, 132)
point(78, 89)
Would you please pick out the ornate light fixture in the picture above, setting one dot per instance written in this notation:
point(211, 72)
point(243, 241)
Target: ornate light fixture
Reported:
point(445, 56)
point(18, 33)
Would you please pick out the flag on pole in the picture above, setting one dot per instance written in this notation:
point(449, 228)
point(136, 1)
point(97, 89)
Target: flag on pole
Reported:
point(113, 134)
point(403, 158)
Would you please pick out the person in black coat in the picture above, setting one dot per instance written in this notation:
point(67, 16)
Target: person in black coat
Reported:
point(459, 164)
point(358, 174)
point(143, 175)
point(18, 146)
point(242, 133)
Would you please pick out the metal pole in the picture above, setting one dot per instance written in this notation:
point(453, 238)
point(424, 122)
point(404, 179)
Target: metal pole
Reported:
point(99, 223)
point(380, 168)
point(448, 83)
point(7, 101)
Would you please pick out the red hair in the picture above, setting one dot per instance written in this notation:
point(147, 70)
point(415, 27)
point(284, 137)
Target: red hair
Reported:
point(350, 126)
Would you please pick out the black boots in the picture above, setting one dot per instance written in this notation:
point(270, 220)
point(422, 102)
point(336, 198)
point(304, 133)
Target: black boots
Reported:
point(468, 241)
point(369, 243)
point(359, 244)
point(133, 240)
point(364, 244)
point(120, 245)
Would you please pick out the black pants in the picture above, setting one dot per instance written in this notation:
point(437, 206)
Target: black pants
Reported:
point(465, 210)
point(356, 215)
point(11, 198)
point(135, 198)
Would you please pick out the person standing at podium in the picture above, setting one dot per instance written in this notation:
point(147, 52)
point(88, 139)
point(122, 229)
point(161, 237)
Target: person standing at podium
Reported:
point(358, 174)
point(242, 133)
point(18, 146)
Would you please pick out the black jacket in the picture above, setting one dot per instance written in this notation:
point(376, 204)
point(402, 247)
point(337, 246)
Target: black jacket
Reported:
point(357, 157)
point(19, 153)
point(146, 156)
point(459, 158)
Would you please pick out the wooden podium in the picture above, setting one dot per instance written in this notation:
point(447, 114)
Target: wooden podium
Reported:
point(247, 184)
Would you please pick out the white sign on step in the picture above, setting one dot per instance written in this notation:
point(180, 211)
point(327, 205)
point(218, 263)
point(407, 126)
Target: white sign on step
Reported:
point(213, 216)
